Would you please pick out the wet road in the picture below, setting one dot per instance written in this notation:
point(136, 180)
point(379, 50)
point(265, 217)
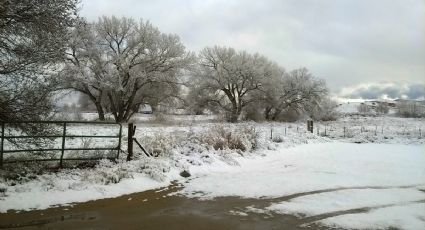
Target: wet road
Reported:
point(153, 210)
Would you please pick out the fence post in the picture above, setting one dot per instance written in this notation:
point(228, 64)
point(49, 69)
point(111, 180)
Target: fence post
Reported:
point(344, 131)
point(119, 141)
point(131, 130)
point(420, 133)
point(1, 145)
point(63, 144)
point(271, 133)
point(310, 126)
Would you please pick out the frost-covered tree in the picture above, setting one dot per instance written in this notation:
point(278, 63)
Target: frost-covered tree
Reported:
point(33, 33)
point(324, 110)
point(32, 40)
point(127, 62)
point(364, 108)
point(84, 70)
point(229, 79)
point(293, 91)
point(410, 109)
point(197, 100)
point(382, 108)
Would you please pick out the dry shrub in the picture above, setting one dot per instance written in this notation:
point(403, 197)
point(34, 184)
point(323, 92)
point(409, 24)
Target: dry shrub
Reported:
point(241, 138)
point(107, 172)
point(277, 139)
point(159, 144)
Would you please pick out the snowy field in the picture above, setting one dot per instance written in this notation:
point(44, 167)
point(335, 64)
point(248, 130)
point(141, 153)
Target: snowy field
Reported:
point(357, 172)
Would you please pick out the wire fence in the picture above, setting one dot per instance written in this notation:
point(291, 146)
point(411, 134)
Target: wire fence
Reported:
point(348, 131)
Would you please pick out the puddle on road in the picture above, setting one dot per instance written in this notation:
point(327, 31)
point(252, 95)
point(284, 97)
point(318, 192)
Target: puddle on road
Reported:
point(153, 210)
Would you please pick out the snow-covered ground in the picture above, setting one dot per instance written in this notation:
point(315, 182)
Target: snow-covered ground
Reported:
point(322, 175)
point(329, 182)
point(312, 167)
point(71, 187)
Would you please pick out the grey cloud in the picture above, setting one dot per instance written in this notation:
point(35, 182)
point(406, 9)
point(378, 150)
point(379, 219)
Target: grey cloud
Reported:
point(345, 42)
point(386, 90)
point(416, 91)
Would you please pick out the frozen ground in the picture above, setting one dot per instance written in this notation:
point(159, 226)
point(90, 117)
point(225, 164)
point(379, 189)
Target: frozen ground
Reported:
point(322, 176)
point(336, 184)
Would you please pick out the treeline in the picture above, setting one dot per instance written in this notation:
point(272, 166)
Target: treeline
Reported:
point(120, 65)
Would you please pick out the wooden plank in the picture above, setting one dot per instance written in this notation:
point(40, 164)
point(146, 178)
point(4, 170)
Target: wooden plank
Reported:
point(143, 149)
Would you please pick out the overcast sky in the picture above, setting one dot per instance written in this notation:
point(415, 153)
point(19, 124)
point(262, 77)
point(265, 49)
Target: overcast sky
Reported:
point(357, 46)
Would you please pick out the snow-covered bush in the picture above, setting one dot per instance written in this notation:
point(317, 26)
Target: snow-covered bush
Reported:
point(107, 172)
point(364, 109)
point(21, 172)
point(382, 108)
point(160, 144)
point(410, 109)
point(324, 111)
point(278, 139)
point(242, 138)
point(155, 168)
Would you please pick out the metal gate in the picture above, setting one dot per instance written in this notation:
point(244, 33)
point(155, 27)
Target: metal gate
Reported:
point(61, 139)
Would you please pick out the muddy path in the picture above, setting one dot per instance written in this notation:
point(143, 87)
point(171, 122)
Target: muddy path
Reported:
point(153, 210)
point(157, 209)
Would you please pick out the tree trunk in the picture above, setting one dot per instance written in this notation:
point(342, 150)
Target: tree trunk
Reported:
point(234, 113)
point(96, 101)
point(276, 114)
point(114, 110)
point(267, 113)
point(233, 117)
point(100, 111)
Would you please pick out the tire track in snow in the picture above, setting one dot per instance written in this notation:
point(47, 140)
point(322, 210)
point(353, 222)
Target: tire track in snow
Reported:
point(297, 195)
point(263, 203)
point(314, 219)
